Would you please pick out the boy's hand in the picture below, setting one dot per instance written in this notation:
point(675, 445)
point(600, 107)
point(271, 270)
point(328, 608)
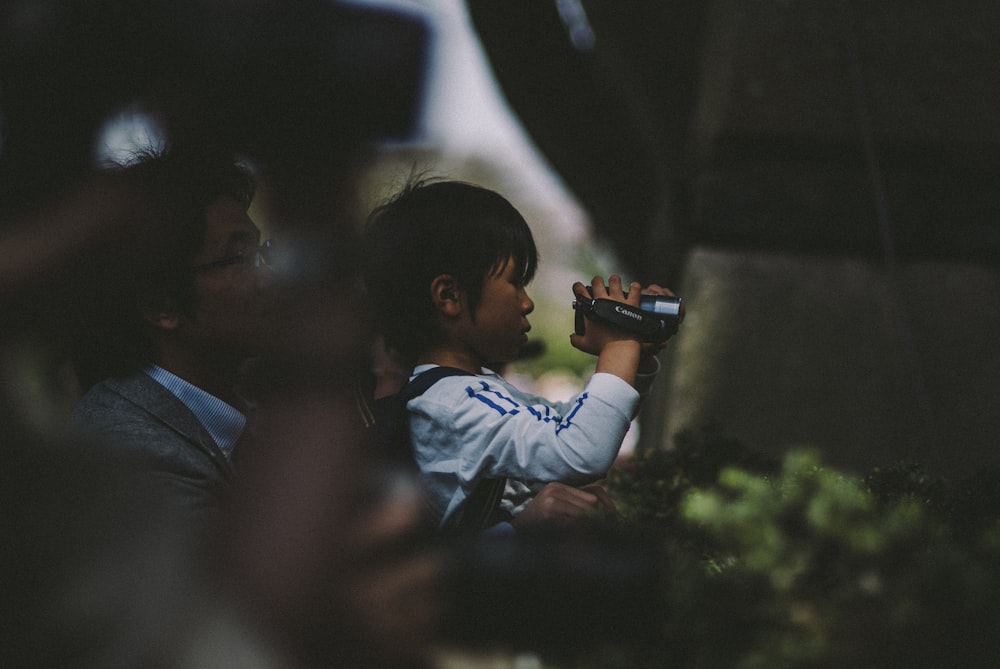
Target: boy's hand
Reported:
point(599, 334)
point(563, 505)
point(650, 349)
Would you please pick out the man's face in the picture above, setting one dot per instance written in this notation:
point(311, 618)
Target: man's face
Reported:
point(232, 295)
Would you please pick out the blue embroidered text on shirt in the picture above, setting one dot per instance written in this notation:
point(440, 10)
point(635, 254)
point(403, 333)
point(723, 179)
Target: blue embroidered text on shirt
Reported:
point(545, 416)
point(490, 403)
point(569, 419)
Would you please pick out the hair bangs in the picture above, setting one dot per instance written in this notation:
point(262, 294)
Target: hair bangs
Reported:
point(515, 243)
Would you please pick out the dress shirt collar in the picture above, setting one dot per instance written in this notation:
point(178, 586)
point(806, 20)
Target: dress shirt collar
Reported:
point(224, 423)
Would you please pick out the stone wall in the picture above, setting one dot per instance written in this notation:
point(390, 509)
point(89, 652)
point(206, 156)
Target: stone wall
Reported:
point(784, 350)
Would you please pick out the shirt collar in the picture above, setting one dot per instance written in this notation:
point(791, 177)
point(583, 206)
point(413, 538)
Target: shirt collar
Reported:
point(223, 422)
point(420, 369)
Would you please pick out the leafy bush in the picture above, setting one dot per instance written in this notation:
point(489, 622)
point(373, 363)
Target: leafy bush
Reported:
point(795, 564)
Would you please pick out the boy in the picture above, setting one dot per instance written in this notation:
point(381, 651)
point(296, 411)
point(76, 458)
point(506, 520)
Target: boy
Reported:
point(447, 266)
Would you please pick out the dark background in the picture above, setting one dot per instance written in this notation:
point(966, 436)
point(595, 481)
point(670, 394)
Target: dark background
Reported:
point(818, 179)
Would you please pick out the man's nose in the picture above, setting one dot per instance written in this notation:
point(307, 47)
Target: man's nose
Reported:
point(264, 276)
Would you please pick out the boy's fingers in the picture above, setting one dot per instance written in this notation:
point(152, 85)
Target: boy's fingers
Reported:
point(561, 499)
point(615, 290)
point(601, 496)
point(655, 289)
point(634, 293)
point(598, 287)
point(585, 499)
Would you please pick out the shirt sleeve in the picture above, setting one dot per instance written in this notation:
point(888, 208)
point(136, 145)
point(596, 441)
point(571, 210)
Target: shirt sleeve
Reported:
point(480, 427)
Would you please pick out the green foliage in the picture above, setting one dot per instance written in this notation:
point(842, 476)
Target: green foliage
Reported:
point(795, 564)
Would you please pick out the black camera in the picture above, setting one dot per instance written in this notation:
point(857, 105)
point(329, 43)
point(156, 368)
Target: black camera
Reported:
point(656, 319)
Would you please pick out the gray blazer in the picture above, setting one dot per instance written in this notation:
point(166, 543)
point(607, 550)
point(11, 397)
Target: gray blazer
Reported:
point(152, 434)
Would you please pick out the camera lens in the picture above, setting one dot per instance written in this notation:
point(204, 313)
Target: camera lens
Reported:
point(661, 305)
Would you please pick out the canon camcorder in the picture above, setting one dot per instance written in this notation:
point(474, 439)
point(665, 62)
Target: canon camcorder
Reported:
point(656, 319)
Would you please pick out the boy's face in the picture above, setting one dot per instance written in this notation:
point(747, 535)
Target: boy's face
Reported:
point(499, 328)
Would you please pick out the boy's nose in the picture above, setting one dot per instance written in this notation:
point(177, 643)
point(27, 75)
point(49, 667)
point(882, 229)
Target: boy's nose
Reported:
point(529, 305)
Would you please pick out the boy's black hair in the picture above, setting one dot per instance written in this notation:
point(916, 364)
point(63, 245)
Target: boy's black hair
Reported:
point(432, 228)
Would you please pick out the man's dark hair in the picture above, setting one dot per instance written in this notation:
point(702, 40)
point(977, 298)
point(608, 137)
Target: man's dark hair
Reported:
point(432, 228)
point(175, 188)
point(179, 187)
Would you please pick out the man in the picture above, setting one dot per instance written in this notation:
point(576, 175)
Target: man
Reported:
point(175, 337)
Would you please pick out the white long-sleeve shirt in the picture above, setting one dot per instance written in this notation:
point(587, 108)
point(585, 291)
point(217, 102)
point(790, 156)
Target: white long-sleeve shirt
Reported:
point(468, 428)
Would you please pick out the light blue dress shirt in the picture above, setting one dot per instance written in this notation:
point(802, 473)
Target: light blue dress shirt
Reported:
point(224, 422)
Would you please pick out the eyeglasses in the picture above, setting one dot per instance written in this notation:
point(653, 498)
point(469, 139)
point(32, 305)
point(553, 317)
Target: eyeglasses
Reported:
point(259, 256)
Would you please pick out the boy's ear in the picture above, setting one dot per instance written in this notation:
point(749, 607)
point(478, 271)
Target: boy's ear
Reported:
point(162, 313)
point(446, 295)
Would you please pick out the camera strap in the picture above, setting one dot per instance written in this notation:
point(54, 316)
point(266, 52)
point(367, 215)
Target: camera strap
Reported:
point(619, 314)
